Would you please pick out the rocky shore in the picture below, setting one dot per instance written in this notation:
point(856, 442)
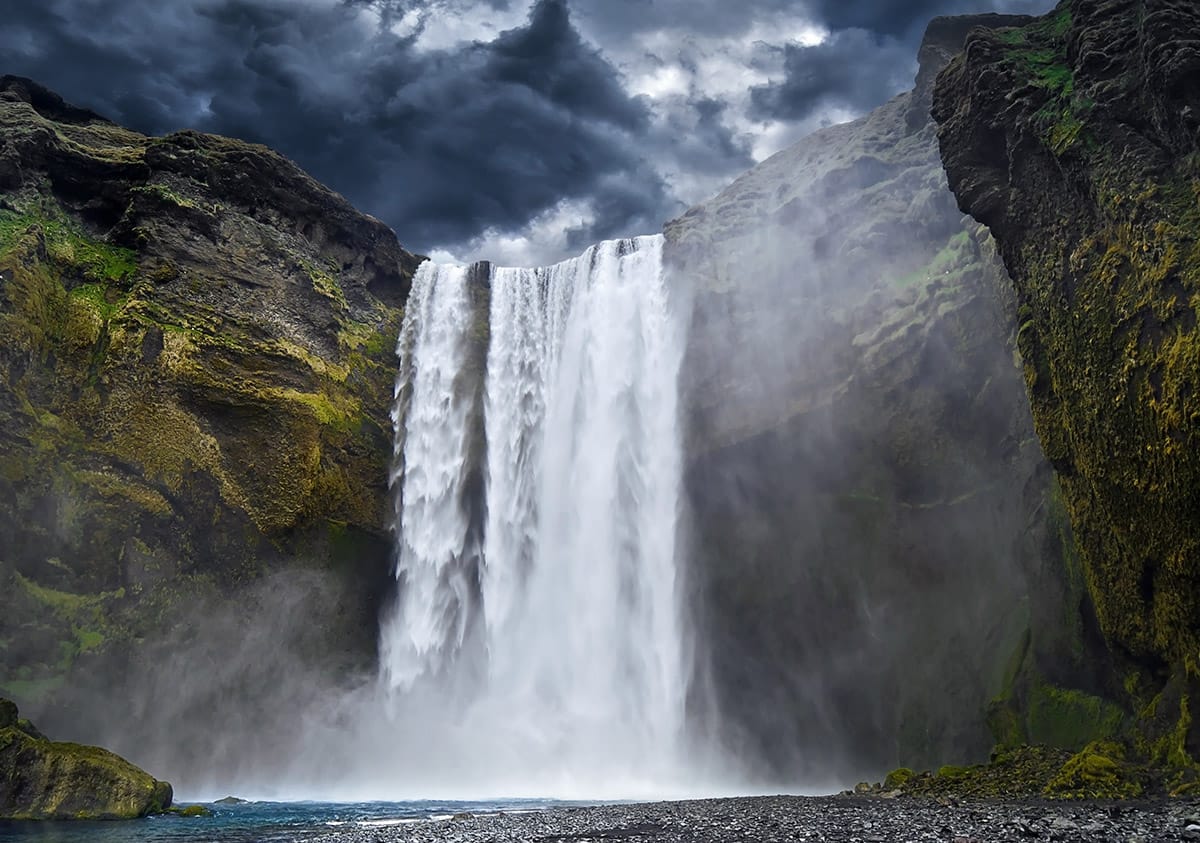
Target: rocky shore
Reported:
point(837, 818)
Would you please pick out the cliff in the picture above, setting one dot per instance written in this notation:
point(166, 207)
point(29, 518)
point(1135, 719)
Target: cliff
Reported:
point(196, 371)
point(879, 542)
point(1075, 140)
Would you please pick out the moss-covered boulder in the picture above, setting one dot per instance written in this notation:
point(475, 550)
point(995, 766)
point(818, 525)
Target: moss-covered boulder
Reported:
point(1075, 140)
point(47, 780)
point(1099, 771)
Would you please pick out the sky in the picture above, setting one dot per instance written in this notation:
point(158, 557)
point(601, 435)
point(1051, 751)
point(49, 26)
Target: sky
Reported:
point(520, 131)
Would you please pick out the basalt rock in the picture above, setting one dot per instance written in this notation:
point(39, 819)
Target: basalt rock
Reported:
point(1076, 140)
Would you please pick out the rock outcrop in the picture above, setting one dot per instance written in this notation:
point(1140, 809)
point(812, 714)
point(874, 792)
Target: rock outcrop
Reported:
point(1075, 140)
point(45, 780)
point(878, 537)
point(196, 371)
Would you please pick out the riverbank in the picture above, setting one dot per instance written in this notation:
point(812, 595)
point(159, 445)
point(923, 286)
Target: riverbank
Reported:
point(814, 819)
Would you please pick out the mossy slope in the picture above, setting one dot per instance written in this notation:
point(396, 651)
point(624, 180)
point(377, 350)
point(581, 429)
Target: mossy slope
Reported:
point(196, 370)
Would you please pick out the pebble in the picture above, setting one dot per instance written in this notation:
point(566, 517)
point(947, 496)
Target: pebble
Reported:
point(832, 819)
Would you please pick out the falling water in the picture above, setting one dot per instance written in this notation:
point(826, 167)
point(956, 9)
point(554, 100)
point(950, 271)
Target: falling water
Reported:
point(430, 417)
point(562, 654)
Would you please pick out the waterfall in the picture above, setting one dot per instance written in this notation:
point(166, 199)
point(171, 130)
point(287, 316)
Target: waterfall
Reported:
point(430, 418)
point(559, 654)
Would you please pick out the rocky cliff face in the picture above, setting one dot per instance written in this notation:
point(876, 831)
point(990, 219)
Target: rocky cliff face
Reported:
point(878, 538)
point(1075, 140)
point(196, 369)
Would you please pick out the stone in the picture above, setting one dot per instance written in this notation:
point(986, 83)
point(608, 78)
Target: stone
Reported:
point(48, 780)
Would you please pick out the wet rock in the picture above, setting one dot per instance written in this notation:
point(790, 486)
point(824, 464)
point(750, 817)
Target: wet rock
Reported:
point(47, 780)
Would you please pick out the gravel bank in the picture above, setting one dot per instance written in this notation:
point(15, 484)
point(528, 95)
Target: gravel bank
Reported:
point(815, 819)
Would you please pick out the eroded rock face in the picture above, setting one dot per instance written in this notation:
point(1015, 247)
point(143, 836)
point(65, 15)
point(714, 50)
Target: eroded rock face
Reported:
point(46, 780)
point(196, 370)
point(1075, 140)
point(877, 548)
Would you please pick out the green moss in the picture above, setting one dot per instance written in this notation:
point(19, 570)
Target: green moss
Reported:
point(1099, 771)
point(67, 245)
point(958, 253)
point(52, 780)
point(898, 778)
point(114, 487)
point(1005, 723)
point(1039, 53)
point(1018, 772)
point(326, 284)
point(99, 298)
point(167, 194)
point(89, 639)
point(1070, 718)
point(62, 603)
point(1065, 132)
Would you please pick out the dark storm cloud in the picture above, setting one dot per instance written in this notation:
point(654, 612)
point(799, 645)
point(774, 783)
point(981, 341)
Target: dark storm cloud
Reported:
point(903, 19)
point(853, 70)
point(478, 138)
point(441, 144)
point(869, 56)
point(906, 19)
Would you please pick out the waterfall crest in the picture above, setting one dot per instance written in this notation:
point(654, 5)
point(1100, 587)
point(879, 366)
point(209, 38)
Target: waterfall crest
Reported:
point(559, 646)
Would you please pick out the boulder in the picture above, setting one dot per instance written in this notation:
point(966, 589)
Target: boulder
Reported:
point(48, 780)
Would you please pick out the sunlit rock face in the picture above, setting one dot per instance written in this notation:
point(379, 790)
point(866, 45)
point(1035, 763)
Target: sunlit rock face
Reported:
point(871, 508)
point(1075, 140)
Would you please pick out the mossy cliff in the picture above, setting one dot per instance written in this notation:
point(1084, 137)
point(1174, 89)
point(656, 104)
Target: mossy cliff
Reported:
point(45, 780)
point(1074, 139)
point(196, 368)
point(875, 550)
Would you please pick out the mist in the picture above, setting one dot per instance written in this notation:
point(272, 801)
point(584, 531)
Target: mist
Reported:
point(863, 482)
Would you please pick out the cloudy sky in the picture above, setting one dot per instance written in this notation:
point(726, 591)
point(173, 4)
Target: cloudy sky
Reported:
point(517, 130)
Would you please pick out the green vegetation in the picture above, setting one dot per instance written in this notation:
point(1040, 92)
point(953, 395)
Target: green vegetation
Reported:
point(181, 418)
point(898, 778)
point(164, 192)
point(948, 265)
point(326, 284)
point(1099, 771)
point(1102, 238)
point(67, 246)
point(1038, 53)
point(1070, 718)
